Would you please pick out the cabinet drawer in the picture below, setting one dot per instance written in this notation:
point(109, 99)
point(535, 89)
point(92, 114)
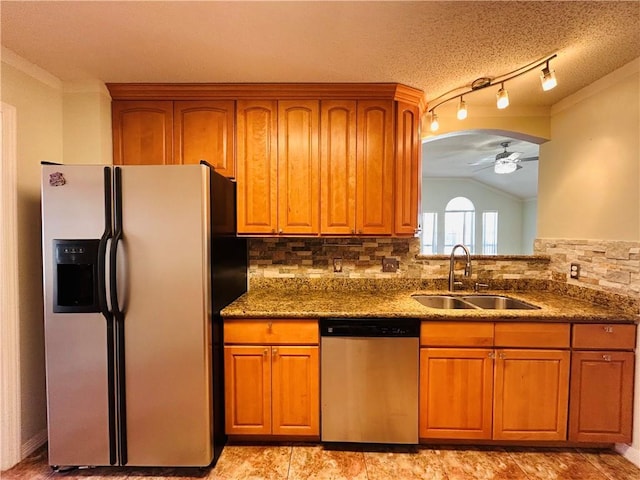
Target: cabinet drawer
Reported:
point(271, 331)
point(456, 334)
point(534, 335)
point(604, 336)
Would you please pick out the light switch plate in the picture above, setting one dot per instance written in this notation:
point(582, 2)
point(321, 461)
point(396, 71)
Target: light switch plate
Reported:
point(390, 265)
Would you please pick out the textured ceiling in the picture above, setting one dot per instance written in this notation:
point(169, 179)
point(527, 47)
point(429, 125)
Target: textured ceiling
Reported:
point(431, 45)
point(434, 46)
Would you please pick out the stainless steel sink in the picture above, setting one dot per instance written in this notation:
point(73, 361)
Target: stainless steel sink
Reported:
point(442, 301)
point(485, 302)
point(498, 302)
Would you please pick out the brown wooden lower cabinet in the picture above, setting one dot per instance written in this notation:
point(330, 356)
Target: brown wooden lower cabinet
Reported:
point(531, 393)
point(456, 393)
point(601, 407)
point(272, 390)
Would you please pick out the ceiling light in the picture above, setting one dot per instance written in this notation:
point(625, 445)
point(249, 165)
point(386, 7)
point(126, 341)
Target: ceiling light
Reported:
point(434, 122)
point(503, 98)
point(504, 166)
point(548, 78)
point(462, 109)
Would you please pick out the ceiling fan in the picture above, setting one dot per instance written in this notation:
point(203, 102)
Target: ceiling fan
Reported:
point(505, 161)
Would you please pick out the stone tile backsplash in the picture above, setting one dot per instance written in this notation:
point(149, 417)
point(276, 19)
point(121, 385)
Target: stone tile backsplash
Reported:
point(609, 270)
point(361, 258)
point(605, 265)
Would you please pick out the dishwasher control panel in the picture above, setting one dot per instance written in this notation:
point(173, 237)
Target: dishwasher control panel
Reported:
point(370, 327)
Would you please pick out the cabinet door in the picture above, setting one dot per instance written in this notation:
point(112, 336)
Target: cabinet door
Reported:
point(298, 167)
point(338, 167)
point(247, 375)
point(456, 387)
point(257, 166)
point(408, 169)
point(601, 408)
point(375, 159)
point(204, 130)
point(142, 132)
point(295, 391)
point(531, 395)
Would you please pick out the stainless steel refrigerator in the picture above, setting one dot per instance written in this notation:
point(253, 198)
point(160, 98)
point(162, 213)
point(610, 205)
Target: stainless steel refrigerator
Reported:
point(138, 262)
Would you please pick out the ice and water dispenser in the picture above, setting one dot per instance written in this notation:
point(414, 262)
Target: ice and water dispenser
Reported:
point(75, 276)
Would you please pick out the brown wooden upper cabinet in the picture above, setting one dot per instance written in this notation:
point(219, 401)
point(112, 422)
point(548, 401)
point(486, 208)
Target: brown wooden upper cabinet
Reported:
point(142, 132)
point(180, 132)
point(309, 159)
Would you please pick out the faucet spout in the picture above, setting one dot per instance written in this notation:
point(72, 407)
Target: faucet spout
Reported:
point(467, 267)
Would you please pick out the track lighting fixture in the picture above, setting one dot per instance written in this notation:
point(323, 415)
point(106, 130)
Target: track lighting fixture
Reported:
point(462, 109)
point(502, 98)
point(548, 79)
point(434, 122)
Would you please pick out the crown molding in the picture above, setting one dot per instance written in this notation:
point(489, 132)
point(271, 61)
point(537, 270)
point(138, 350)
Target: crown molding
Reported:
point(25, 66)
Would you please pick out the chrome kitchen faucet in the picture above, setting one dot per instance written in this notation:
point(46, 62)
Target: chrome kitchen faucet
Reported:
point(467, 267)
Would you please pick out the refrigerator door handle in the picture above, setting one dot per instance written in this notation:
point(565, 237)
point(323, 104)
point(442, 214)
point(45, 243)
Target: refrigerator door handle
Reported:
point(118, 316)
point(104, 309)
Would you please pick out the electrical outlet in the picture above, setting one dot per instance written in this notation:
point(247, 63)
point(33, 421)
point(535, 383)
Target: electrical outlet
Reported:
point(390, 265)
point(337, 264)
point(575, 271)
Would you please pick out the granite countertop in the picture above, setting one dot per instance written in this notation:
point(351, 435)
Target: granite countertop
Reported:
point(284, 303)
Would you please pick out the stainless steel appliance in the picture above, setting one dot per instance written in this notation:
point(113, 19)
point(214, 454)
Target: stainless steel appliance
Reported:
point(135, 274)
point(369, 380)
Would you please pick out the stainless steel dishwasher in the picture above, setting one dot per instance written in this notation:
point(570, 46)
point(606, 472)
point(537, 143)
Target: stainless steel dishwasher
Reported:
point(369, 380)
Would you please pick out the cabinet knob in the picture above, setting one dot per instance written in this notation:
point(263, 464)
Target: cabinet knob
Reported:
point(492, 355)
point(608, 329)
point(280, 231)
point(275, 352)
point(606, 358)
point(502, 356)
point(266, 352)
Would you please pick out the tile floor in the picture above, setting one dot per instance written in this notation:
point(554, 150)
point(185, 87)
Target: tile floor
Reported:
point(317, 462)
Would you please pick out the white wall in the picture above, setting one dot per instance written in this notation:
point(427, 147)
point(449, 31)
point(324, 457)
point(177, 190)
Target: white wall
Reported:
point(58, 123)
point(38, 104)
point(436, 193)
point(529, 222)
point(589, 176)
point(589, 173)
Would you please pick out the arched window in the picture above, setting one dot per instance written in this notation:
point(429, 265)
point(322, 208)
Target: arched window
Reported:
point(459, 221)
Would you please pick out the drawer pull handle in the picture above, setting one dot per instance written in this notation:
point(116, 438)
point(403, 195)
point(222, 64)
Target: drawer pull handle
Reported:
point(502, 356)
point(608, 329)
point(606, 358)
point(492, 355)
point(266, 351)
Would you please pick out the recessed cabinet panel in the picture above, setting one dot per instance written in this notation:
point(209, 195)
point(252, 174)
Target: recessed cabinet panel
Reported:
point(456, 393)
point(142, 132)
point(601, 407)
point(408, 169)
point(338, 167)
point(247, 374)
point(375, 168)
point(204, 130)
point(531, 395)
point(257, 166)
point(298, 167)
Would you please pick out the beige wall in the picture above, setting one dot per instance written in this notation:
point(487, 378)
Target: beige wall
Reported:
point(589, 173)
point(87, 124)
point(39, 137)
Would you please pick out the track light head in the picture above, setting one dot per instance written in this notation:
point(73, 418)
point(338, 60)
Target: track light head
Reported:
point(435, 125)
point(462, 109)
point(548, 78)
point(502, 98)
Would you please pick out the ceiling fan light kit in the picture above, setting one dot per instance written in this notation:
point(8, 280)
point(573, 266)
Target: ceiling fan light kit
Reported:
point(547, 78)
point(505, 166)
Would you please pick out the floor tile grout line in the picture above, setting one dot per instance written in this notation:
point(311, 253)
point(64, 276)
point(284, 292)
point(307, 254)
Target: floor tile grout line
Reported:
point(595, 465)
point(514, 459)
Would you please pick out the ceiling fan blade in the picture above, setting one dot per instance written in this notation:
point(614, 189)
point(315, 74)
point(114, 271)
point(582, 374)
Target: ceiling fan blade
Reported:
point(529, 159)
point(482, 161)
point(513, 156)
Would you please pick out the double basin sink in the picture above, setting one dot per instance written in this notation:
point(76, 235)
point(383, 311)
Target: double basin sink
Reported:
point(486, 302)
